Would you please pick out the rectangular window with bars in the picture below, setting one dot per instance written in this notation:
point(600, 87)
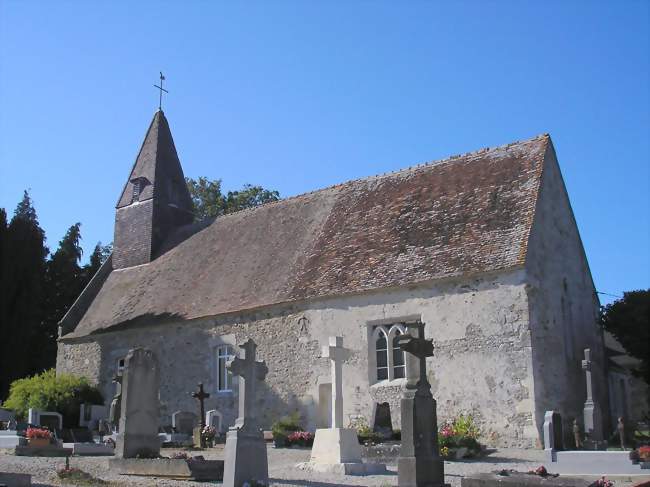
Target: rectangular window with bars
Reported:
point(224, 377)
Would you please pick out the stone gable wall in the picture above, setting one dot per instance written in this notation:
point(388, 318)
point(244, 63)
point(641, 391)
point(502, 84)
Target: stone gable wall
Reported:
point(563, 308)
point(482, 361)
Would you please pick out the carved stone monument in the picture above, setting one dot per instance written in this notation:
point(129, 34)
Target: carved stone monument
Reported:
point(591, 411)
point(419, 463)
point(245, 456)
point(337, 449)
point(138, 429)
point(116, 404)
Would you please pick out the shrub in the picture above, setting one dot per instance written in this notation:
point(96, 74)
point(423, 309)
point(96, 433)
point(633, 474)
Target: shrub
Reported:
point(461, 432)
point(283, 427)
point(300, 438)
point(364, 432)
point(48, 392)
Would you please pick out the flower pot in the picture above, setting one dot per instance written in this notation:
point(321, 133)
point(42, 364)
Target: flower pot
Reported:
point(39, 442)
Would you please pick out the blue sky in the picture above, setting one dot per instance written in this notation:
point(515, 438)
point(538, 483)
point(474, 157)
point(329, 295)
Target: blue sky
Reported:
point(296, 96)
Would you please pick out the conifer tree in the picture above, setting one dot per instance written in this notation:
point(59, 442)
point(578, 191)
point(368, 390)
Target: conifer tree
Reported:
point(23, 271)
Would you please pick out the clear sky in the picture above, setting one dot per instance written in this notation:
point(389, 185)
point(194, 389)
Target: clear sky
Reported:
point(300, 95)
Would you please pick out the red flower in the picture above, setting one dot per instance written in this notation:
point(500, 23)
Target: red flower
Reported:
point(38, 433)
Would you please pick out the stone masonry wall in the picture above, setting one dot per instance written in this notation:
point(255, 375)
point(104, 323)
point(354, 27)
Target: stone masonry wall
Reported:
point(563, 308)
point(482, 361)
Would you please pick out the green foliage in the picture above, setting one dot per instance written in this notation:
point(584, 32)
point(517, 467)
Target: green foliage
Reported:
point(364, 431)
point(628, 319)
point(286, 425)
point(210, 202)
point(48, 392)
point(461, 432)
point(22, 274)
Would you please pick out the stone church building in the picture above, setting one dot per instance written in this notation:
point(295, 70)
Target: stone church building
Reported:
point(483, 248)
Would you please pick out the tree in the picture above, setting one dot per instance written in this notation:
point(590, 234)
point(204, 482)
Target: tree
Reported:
point(210, 202)
point(628, 319)
point(64, 281)
point(23, 272)
point(97, 258)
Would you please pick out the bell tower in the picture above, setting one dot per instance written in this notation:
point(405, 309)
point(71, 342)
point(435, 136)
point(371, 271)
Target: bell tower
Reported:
point(154, 201)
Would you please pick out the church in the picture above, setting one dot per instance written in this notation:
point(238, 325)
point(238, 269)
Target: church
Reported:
point(482, 248)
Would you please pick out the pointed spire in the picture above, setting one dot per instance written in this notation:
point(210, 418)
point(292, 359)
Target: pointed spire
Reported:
point(155, 199)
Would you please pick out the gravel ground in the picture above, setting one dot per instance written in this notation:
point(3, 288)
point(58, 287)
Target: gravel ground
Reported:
point(282, 469)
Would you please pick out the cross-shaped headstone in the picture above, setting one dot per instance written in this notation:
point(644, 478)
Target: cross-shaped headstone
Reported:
point(334, 351)
point(201, 395)
point(249, 372)
point(420, 348)
point(586, 366)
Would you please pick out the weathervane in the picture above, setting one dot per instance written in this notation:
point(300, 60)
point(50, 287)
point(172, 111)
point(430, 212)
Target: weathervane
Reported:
point(162, 78)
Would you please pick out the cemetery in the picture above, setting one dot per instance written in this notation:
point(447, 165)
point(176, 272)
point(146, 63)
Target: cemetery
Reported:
point(138, 451)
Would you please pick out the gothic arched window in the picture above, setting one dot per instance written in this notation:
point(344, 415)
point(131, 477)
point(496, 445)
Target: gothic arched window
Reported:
point(381, 352)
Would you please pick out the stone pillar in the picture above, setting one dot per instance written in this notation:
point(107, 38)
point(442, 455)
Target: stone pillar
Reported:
point(139, 419)
point(419, 463)
point(591, 411)
point(245, 456)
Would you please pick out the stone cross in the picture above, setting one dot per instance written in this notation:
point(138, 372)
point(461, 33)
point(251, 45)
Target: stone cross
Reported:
point(419, 463)
point(419, 349)
point(591, 411)
point(201, 395)
point(249, 371)
point(334, 351)
point(586, 366)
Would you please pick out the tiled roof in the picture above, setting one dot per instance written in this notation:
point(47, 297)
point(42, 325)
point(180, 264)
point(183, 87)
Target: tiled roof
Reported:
point(464, 215)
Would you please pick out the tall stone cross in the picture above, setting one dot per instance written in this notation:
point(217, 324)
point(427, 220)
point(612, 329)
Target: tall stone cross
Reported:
point(586, 366)
point(250, 372)
point(419, 349)
point(334, 351)
point(419, 463)
point(201, 395)
point(591, 411)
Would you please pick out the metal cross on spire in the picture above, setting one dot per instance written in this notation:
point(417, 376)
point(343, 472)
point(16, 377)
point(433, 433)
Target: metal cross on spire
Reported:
point(162, 78)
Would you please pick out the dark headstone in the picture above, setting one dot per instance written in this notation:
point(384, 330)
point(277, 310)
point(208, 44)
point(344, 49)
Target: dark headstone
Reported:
point(383, 424)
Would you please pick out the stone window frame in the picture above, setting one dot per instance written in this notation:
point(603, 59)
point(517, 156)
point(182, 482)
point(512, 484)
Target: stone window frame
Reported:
point(389, 327)
point(220, 361)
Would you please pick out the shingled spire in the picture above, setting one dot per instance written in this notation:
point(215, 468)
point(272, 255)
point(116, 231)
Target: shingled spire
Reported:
point(154, 201)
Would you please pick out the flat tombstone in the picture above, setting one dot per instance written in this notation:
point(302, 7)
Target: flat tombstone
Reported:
point(184, 422)
point(140, 406)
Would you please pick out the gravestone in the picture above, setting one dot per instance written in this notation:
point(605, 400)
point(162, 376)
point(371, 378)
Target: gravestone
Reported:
point(419, 463)
point(383, 424)
point(138, 429)
point(91, 414)
point(553, 433)
point(213, 418)
point(184, 422)
point(336, 449)
point(245, 455)
point(48, 419)
point(591, 412)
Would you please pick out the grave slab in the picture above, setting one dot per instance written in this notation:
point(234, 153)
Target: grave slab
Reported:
point(592, 463)
point(42, 451)
point(11, 439)
point(202, 470)
point(89, 449)
point(15, 479)
point(519, 479)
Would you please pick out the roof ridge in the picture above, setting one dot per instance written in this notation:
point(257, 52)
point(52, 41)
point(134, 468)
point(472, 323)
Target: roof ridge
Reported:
point(416, 167)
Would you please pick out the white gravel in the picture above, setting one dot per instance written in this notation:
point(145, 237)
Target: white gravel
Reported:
point(283, 469)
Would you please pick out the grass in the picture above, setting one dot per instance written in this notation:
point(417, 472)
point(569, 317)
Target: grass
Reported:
point(75, 476)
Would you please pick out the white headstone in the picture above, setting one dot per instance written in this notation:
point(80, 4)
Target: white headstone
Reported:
point(213, 418)
point(184, 422)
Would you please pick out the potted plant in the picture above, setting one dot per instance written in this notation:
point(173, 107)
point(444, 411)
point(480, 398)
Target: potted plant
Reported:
point(209, 433)
point(38, 437)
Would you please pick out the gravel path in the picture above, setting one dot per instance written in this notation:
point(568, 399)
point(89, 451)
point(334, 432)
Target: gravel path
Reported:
point(282, 469)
